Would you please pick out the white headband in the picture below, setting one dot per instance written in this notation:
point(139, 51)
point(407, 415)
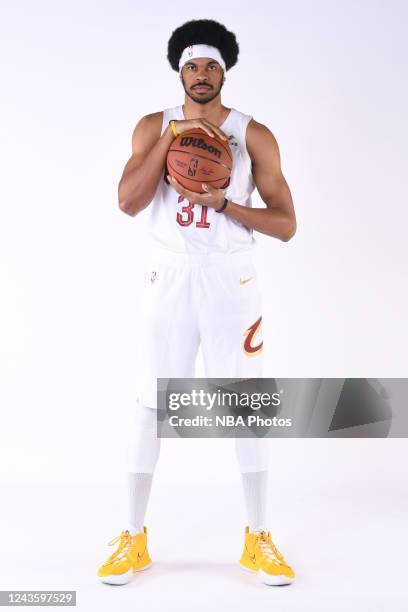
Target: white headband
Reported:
point(193, 51)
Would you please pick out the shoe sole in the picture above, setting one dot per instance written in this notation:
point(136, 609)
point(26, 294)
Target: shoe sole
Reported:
point(267, 578)
point(120, 579)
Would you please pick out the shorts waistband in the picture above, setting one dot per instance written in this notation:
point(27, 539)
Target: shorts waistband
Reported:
point(200, 259)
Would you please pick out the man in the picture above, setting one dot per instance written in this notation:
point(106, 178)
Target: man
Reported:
point(201, 284)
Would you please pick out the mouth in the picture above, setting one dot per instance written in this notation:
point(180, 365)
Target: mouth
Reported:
point(201, 88)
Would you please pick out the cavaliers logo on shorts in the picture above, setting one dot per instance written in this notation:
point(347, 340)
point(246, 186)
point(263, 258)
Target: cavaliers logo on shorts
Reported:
point(251, 347)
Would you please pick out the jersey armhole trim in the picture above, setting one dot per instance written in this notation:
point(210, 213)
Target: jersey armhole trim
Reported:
point(163, 127)
point(247, 156)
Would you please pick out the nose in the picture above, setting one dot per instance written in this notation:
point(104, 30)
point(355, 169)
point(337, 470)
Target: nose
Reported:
point(201, 75)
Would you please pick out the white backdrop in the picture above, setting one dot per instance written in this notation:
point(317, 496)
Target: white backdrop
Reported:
point(329, 80)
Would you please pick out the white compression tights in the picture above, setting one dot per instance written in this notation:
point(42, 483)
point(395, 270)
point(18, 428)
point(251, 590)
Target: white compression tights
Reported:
point(143, 446)
point(143, 451)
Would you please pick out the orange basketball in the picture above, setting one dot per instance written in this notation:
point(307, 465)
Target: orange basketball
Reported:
point(195, 157)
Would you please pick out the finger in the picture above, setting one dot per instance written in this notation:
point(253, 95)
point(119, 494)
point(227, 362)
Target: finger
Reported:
point(221, 134)
point(193, 196)
point(175, 184)
point(174, 181)
point(190, 195)
point(216, 129)
point(207, 127)
point(209, 132)
point(170, 179)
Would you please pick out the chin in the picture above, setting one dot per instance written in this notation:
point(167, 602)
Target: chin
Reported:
point(200, 100)
point(203, 100)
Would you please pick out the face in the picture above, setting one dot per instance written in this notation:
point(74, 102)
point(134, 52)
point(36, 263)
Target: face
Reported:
point(202, 79)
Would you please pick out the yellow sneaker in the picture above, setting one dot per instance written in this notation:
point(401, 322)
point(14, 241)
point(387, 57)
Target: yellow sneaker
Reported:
point(261, 555)
point(131, 556)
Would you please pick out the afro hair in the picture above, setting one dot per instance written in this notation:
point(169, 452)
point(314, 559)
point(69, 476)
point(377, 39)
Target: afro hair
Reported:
point(203, 31)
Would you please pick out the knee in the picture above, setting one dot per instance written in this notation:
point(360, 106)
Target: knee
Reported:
point(143, 444)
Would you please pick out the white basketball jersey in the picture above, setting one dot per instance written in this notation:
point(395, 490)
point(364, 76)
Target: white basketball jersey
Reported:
point(179, 226)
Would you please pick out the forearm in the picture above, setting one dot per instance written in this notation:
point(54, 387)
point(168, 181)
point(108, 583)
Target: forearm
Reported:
point(270, 221)
point(137, 187)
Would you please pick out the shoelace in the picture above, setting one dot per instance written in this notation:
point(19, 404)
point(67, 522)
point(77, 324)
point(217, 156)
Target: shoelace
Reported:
point(268, 548)
point(124, 540)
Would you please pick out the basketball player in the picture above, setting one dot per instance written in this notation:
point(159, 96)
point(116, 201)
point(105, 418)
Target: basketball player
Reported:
point(200, 286)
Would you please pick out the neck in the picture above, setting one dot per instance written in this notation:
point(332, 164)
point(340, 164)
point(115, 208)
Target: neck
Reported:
point(214, 111)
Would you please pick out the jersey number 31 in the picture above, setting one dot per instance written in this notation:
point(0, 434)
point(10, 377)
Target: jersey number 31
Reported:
point(186, 216)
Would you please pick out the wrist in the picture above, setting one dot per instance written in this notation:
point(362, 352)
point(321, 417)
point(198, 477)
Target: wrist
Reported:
point(224, 206)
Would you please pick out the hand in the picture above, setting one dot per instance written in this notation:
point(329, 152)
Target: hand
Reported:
point(213, 198)
point(189, 124)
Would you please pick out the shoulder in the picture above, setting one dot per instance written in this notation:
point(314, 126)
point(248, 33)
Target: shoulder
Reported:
point(148, 127)
point(259, 138)
point(147, 132)
point(258, 132)
point(151, 121)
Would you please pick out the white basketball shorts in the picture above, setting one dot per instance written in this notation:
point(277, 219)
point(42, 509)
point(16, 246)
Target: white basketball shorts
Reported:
point(188, 299)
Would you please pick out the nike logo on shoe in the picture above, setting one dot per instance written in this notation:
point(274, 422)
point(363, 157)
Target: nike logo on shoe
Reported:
point(246, 280)
point(252, 557)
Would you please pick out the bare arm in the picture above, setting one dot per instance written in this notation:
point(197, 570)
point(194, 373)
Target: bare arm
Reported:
point(144, 169)
point(278, 218)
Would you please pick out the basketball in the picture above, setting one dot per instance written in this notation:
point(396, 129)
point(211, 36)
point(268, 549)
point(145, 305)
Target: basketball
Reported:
point(194, 158)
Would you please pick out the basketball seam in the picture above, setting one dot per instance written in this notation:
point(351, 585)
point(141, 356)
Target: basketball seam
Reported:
point(197, 180)
point(203, 133)
point(201, 157)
